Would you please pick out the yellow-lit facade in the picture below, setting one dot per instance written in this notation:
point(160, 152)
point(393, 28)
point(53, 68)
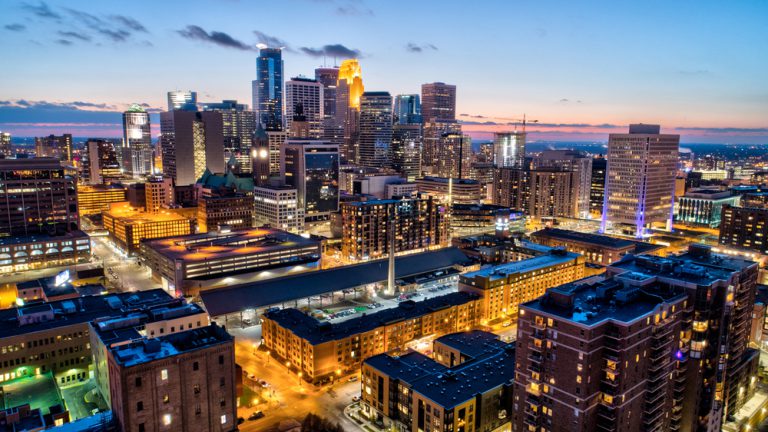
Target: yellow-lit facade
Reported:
point(95, 199)
point(351, 72)
point(127, 227)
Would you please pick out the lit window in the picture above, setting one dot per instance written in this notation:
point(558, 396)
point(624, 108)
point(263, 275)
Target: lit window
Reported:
point(164, 374)
point(223, 419)
point(167, 419)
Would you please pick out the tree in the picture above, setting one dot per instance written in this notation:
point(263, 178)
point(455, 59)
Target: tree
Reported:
point(314, 423)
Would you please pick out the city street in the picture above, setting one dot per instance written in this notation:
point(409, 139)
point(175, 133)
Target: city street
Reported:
point(123, 273)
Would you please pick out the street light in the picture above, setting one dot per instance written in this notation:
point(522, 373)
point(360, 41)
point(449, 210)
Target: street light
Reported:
point(268, 356)
point(300, 374)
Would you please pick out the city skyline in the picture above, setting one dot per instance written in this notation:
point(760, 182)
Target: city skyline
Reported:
point(560, 65)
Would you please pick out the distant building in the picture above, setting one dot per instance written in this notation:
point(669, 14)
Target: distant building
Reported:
point(349, 89)
point(375, 185)
point(6, 147)
point(466, 386)
point(136, 151)
point(191, 141)
point(597, 186)
point(127, 227)
point(238, 127)
point(406, 150)
point(375, 129)
point(407, 110)
point(159, 194)
point(278, 207)
point(58, 147)
point(308, 93)
point(509, 149)
point(97, 198)
point(438, 102)
point(182, 100)
point(596, 248)
point(640, 179)
point(434, 135)
point(268, 89)
point(704, 206)
point(469, 219)
point(454, 156)
point(328, 77)
point(744, 228)
point(101, 164)
point(580, 165)
point(462, 191)
point(312, 167)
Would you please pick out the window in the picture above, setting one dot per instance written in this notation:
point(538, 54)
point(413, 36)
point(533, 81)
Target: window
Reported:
point(223, 419)
point(164, 374)
point(221, 382)
point(141, 427)
point(166, 398)
point(167, 419)
point(198, 410)
point(195, 366)
point(139, 406)
point(138, 381)
point(221, 359)
point(223, 403)
point(197, 388)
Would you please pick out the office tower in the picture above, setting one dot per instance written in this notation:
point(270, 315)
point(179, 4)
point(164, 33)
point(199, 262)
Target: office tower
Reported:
point(6, 148)
point(454, 155)
point(136, 151)
point(438, 102)
point(234, 210)
point(419, 223)
point(448, 190)
point(597, 187)
point(277, 206)
point(299, 124)
point(509, 149)
point(640, 180)
point(744, 228)
point(407, 109)
point(159, 194)
point(406, 150)
point(268, 89)
point(184, 100)
point(511, 188)
point(101, 164)
point(260, 157)
point(191, 142)
point(59, 147)
point(434, 133)
point(309, 93)
point(349, 90)
point(312, 167)
point(238, 126)
point(374, 149)
point(575, 162)
point(329, 77)
point(661, 344)
point(39, 197)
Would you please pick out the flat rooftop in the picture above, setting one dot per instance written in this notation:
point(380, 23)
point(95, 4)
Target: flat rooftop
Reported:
point(596, 239)
point(444, 180)
point(148, 350)
point(317, 332)
point(286, 289)
point(129, 326)
point(473, 343)
point(79, 310)
point(215, 245)
point(130, 215)
point(41, 238)
point(554, 257)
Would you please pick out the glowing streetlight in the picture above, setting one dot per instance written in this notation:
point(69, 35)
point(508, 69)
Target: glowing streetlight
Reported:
point(300, 375)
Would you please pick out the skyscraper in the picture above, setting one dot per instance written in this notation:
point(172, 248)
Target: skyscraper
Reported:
point(191, 141)
point(260, 157)
point(329, 78)
point(575, 162)
point(407, 109)
point(509, 149)
point(375, 129)
point(101, 164)
point(6, 148)
point(406, 150)
point(184, 100)
point(597, 187)
point(310, 94)
point(59, 147)
point(640, 179)
point(438, 101)
point(312, 167)
point(454, 154)
point(238, 126)
point(268, 88)
point(433, 133)
point(136, 151)
point(349, 90)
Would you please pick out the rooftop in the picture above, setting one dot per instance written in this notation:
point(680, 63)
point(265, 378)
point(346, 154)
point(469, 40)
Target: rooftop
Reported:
point(131, 215)
point(275, 291)
point(317, 332)
point(148, 350)
point(554, 257)
point(444, 180)
point(473, 343)
point(41, 238)
point(219, 244)
point(596, 239)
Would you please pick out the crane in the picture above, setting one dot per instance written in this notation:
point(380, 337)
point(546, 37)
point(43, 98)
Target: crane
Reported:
point(523, 121)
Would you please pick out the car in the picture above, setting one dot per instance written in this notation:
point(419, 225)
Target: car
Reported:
point(256, 415)
point(506, 323)
point(240, 420)
point(356, 398)
point(352, 378)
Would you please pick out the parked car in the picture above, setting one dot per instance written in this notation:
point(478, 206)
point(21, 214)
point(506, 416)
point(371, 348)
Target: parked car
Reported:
point(353, 378)
point(256, 415)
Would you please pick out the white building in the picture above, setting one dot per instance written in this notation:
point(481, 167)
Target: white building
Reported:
point(309, 93)
point(278, 207)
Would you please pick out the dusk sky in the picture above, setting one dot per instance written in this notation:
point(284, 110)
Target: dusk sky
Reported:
point(583, 69)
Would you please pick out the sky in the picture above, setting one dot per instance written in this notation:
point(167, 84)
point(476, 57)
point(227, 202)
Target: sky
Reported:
point(582, 69)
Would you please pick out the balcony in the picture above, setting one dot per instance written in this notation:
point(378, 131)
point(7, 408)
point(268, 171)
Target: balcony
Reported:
point(536, 358)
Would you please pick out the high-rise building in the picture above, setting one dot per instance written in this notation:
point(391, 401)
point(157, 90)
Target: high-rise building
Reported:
point(406, 150)
point(260, 157)
point(597, 186)
point(39, 197)
point(268, 89)
point(191, 142)
point(454, 155)
point(575, 162)
point(509, 149)
point(433, 137)
point(136, 151)
point(233, 210)
point(640, 180)
point(661, 344)
point(349, 90)
point(276, 141)
point(438, 102)
point(744, 228)
point(101, 164)
point(329, 77)
point(277, 206)
point(543, 192)
point(59, 147)
point(407, 109)
point(238, 126)
point(159, 194)
point(183, 100)
point(309, 93)
point(312, 167)
point(6, 148)
point(511, 188)
point(374, 149)
point(419, 224)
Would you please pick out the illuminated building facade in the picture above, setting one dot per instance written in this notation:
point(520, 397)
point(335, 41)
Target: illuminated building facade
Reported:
point(159, 194)
point(328, 77)
point(504, 287)
point(277, 207)
point(136, 151)
point(101, 164)
point(704, 206)
point(276, 140)
point(309, 93)
point(234, 210)
point(419, 223)
point(323, 351)
point(374, 148)
point(744, 228)
point(433, 137)
point(454, 155)
point(596, 248)
point(268, 89)
point(470, 219)
point(406, 150)
point(312, 167)
point(6, 148)
point(597, 186)
point(349, 90)
point(238, 127)
point(58, 147)
point(509, 149)
point(438, 102)
point(97, 198)
point(191, 141)
point(407, 109)
point(461, 191)
point(575, 162)
point(127, 227)
point(640, 179)
point(182, 100)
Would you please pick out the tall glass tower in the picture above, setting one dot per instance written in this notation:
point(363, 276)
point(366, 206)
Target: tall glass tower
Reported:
point(407, 109)
point(268, 89)
point(136, 151)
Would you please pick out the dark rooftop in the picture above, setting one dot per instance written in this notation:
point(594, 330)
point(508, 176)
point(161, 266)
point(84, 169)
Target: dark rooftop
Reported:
point(316, 332)
point(275, 291)
point(148, 350)
point(473, 343)
point(39, 238)
point(597, 239)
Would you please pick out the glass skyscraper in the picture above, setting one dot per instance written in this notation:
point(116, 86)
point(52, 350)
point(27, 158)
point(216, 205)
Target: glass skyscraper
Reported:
point(182, 100)
point(312, 167)
point(268, 89)
point(375, 129)
point(136, 151)
point(407, 109)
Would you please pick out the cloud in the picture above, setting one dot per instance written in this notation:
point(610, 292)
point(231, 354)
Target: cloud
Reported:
point(194, 32)
point(63, 42)
point(115, 35)
point(42, 10)
point(353, 10)
point(54, 106)
point(15, 27)
point(75, 35)
point(269, 41)
point(415, 48)
point(86, 18)
point(129, 23)
point(564, 100)
point(335, 50)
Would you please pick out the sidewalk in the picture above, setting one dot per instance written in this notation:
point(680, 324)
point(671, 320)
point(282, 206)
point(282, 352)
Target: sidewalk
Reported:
point(353, 413)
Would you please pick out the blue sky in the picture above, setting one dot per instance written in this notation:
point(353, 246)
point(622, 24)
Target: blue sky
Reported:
point(582, 68)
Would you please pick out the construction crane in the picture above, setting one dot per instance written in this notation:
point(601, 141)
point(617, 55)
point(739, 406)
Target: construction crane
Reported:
point(523, 121)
